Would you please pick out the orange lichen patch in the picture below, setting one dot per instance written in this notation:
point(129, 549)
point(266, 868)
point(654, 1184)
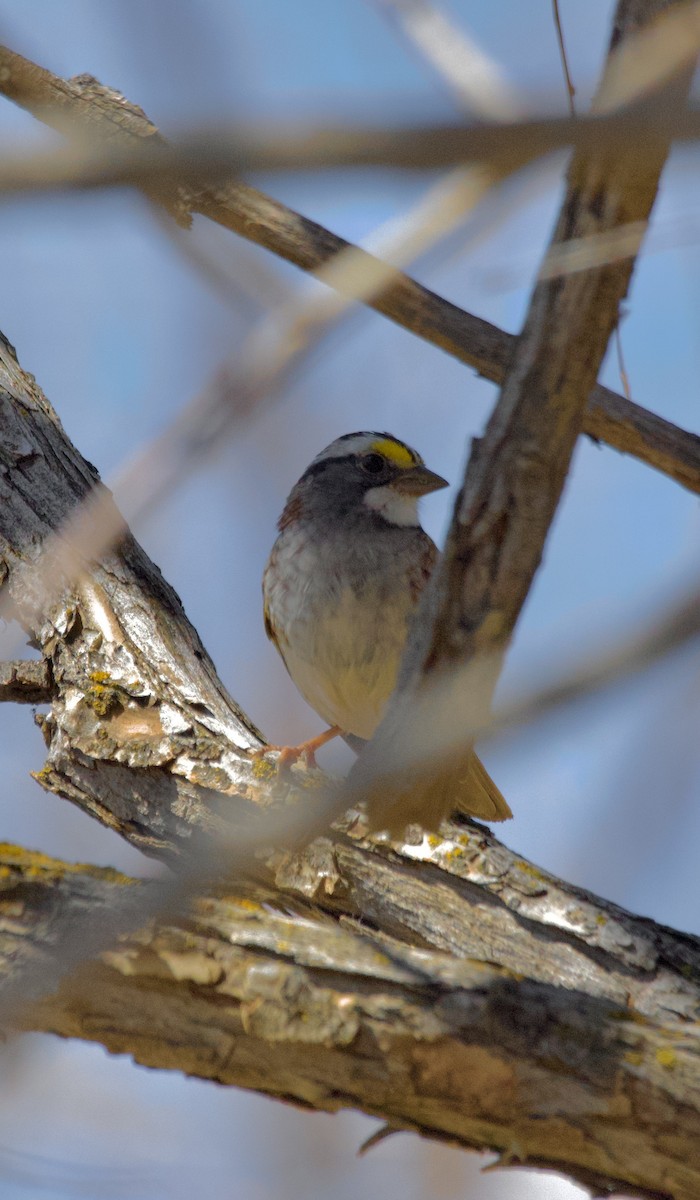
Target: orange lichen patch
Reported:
point(103, 698)
point(262, 769)
point(529, 869)
point(210, 776)
point(32, 864)
point(249, 905)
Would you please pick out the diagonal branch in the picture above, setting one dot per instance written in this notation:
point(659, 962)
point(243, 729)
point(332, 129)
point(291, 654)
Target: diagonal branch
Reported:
point(135, 690)
point(84, 104)
point(516, 473)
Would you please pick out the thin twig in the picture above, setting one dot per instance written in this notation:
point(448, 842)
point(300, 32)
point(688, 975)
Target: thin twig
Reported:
point(380, 1135)
point(675, 626)
point(570, 89)
point(209, 154)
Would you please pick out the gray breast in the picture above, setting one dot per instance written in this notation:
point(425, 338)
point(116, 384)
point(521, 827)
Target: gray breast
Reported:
point(340, 610)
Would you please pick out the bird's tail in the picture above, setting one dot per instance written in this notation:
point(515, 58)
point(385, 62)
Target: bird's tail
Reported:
point(429, 799)
point(478, 796)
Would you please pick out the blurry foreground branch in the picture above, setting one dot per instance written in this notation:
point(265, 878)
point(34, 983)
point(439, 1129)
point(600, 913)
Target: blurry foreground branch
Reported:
point(83, 105)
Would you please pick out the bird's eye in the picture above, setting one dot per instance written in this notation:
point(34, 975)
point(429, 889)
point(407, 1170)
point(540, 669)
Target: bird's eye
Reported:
point(373, 464)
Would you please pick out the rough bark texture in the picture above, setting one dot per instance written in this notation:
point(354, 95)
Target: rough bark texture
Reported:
point(83, 103)
point(135, 690)
point(26, 682)
point(466, 995)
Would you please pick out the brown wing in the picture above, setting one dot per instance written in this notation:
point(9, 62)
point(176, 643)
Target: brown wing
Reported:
point(267, 619)
point(423, 567)
point(268, 625)
point(427, 802)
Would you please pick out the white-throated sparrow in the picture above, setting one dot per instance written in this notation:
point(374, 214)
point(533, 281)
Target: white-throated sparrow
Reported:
point(342, 583)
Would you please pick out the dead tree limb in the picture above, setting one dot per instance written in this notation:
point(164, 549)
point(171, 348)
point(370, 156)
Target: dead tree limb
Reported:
point(479, 1000)
point(135, 688)
point(516, 472)
point(83, 104)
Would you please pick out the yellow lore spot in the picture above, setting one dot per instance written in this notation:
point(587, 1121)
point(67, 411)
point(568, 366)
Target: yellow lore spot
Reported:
point(396, 452)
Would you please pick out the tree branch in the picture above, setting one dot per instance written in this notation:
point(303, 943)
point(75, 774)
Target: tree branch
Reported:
point(233, 149)
point(136, 692)
point(83, 103)
point(26, 682)
point(516, 473)
point(484, 1002)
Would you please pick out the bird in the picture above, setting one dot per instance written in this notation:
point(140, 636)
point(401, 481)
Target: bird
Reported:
point(342, 584)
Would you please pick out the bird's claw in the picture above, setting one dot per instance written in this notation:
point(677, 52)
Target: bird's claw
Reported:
point(289, 755)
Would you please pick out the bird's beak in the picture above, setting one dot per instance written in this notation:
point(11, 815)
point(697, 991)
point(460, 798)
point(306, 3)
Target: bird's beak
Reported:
point(418, 481)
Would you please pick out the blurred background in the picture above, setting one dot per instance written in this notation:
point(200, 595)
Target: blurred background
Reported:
point(121, 324)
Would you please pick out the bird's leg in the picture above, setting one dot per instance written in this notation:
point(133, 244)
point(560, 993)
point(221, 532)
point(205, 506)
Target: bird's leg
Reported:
point(306, 750)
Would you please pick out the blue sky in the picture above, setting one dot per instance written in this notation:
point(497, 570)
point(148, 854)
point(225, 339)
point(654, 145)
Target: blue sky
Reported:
point(120, 330)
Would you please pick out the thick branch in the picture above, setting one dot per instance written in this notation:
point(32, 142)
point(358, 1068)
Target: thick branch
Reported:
point(486, 1003)
point(82, 103)
point(516, 473)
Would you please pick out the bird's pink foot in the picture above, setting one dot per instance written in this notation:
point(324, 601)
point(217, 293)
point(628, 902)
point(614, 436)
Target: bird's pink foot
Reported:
point(288, 755)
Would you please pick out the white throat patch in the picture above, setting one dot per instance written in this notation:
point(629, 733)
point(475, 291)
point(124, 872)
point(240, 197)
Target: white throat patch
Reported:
point(396, 509)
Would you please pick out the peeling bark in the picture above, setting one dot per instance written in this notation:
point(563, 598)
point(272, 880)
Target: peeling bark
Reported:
point(141, 731)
